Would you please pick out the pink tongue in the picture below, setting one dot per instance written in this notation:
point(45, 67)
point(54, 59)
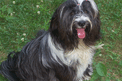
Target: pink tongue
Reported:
point(81, 33)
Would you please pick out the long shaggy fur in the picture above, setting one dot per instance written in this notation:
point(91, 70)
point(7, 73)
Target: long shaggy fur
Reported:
point(58, 54)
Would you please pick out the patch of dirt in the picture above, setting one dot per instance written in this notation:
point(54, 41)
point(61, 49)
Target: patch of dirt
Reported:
point(3, 56)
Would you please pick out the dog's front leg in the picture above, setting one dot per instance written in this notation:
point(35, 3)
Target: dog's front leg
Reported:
point(88, 72)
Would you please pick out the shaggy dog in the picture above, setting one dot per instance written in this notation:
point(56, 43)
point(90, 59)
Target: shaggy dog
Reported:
point(62, 53)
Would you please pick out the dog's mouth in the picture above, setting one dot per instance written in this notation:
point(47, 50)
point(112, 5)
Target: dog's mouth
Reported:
point(82, 29)
point(81, 33)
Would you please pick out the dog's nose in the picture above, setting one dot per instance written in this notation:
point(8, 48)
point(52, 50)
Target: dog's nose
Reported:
point(81, 23)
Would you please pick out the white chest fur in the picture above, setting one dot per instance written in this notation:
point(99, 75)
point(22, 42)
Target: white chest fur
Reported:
point(78, 58)
point(83, 54)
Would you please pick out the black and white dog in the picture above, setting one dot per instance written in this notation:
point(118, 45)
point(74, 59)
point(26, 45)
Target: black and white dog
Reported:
point(64, 52)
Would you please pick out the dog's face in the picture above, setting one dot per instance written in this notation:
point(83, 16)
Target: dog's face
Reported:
point(74, 20)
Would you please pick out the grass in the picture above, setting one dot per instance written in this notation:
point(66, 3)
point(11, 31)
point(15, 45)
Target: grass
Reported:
point(20, 21)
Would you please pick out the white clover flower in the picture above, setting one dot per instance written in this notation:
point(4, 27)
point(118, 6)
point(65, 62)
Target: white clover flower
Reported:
point(11, 14)
point(17, 33)
point(22, 39)
point(41, 0)
point(24, 8)
point(38, 12)
point(14, 2)
point(24, 34)
point(100, 55)
point(112, 30)
point(37, 6)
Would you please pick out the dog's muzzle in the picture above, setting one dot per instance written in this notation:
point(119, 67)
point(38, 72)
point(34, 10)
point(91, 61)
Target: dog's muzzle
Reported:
point(81, 27)
point(81, 24)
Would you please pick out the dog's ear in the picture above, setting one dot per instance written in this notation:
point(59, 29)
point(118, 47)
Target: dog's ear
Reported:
point(95, 32)
point(56, 25)
point(60, 29)
point(54, 21)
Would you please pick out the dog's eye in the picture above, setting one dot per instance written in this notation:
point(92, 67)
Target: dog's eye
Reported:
point(72, 13)
point(86, 11)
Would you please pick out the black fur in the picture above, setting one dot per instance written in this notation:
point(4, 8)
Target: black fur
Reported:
point(27, 65)
point(35, 62)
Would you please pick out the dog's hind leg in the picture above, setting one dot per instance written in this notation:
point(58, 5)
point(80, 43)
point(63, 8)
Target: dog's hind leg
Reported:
point(7, 68)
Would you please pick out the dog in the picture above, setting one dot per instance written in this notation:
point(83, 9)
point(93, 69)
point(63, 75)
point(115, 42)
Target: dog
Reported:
point(62, 53)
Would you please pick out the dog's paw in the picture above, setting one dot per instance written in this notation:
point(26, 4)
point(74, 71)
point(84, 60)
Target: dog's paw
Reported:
point(86, 77)
point(88, 73)
point(100, 46)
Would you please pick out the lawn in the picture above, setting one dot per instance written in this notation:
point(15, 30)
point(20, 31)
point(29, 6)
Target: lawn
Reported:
point(20, 20)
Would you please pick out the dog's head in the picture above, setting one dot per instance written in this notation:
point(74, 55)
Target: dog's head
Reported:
point(74, 20)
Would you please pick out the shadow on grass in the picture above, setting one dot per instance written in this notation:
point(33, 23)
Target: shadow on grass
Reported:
point(2, 78)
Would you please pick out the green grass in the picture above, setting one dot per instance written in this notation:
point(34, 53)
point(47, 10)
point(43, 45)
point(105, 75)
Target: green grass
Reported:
point(22, 17)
